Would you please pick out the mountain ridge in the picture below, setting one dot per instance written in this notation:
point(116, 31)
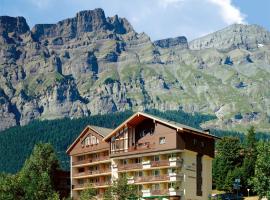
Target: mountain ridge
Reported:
point(93, 64)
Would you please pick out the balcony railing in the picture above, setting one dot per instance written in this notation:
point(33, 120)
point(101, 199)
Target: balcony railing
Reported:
point(101, 171)
point(151, 178)
point(130, 166)
point(90, 160)
point(141, 146)
point(160, 163)
point(96, 184)
point(159, 192)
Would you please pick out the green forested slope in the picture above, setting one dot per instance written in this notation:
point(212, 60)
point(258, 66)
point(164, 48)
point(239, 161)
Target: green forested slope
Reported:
point(16, 143)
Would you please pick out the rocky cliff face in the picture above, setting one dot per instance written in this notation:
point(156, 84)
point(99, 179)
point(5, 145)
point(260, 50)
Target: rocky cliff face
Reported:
point(172, 42)
point(235, 36)
point(94, 64)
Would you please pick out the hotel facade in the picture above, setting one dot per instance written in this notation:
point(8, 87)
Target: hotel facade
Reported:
point(167, 160)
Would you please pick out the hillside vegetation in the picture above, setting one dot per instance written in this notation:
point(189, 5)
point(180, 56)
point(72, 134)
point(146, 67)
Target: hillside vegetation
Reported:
point(16, 143)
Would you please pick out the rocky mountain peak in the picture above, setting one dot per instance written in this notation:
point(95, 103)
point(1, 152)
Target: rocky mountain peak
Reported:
point(85, 21)
point(13, 24)
point(172, 42)
point(235, 36)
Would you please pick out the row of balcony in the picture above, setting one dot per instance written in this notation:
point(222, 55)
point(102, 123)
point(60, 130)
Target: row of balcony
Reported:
point(161, 192)
point(95, 172)
point(153, 178)
point(149, 164)
point(139, 179)
point(95, 184)
point(91, 160)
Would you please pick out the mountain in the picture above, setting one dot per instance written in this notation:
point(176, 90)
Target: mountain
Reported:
point(93, 64)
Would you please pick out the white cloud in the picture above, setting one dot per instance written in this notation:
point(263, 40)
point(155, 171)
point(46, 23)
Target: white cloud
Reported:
point(229, 12)
point(167, 3)
point(41, 4)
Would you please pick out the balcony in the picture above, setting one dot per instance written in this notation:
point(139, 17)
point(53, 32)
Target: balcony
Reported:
point(159, 192)
point(141, 179)
point(160, 163)
point(139, 147)
point(96, 184)
point(175, 192)
point(176, 161)
point(96, 172)
point(149, 192)
point(90, 160)
point(130, 166)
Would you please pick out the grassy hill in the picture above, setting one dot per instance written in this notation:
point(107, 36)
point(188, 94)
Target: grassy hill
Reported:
point(16, 143)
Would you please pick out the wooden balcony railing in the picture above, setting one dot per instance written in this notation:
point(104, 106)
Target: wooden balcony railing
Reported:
point(96, 172)
point(130, 166)
point(96, 184)
point(151, 178)
point(141, 147)
point(90, 160)
point(160, 163)
point(159, 192)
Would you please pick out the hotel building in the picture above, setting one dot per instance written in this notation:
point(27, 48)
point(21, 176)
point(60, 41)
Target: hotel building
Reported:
point(167, 160)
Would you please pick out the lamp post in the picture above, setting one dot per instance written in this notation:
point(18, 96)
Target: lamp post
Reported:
point(248, 191)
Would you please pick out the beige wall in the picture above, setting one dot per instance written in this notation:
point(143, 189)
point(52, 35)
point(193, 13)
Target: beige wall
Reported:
point(189, 183)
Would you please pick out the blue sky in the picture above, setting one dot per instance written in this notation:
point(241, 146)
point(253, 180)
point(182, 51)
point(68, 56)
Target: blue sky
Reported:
point(158, 18)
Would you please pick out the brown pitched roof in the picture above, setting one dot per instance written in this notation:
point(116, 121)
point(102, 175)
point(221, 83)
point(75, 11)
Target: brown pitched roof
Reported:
point(173, 124)
point(103, 132)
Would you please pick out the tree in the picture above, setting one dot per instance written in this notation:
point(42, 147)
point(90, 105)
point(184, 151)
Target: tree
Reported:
point(38, 172)
point(10, 187)
point(248, 167)
point(88, 194)
point(121, 190)
point(261, 179)
point(227, 159)
point(236, 173)
point(108, 195)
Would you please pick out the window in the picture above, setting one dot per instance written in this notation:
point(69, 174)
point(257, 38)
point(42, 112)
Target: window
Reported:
point(171, 170)
point(81, 181)
point(172, 185)
point(140, 187)
point(156, 172)
point(81, 170)
point(162, 140)
point(202, 144)
point(156, 158)
point(155, 187)
point(87, 141)
point(138, 160)
point(152, 131)
point(80, 158)
point(90, 140)
point(139, 174)
point(125, 162)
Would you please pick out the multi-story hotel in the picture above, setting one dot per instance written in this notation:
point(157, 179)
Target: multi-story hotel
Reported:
point(167, 160)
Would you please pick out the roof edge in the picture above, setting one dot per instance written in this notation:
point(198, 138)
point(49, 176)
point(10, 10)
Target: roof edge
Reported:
point(81, 134)
point(201, 132)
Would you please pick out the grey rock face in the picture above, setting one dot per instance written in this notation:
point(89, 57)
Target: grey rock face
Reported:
point(234, 36)
point(85, 21)
point(93, 64)
point(13, 25)
point(172, 42)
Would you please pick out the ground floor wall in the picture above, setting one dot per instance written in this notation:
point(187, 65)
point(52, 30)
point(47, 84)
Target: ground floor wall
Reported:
point(189, 184)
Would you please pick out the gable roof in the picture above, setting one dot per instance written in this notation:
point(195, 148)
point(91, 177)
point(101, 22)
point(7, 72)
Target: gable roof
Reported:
point(103, 132)
point(172, 124)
